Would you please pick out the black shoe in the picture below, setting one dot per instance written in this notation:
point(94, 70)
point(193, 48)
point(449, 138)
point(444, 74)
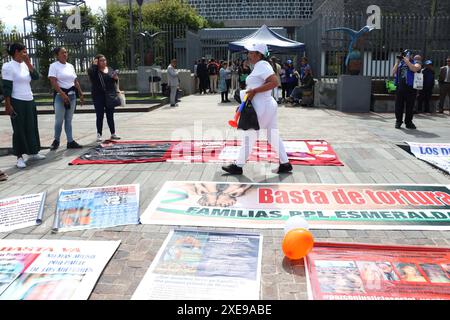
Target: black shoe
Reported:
point(73, 145)
point(398, 125)
point(410, 126)
point(55, 145)
point(232, 169)
point(285, 167)
point(227, 101)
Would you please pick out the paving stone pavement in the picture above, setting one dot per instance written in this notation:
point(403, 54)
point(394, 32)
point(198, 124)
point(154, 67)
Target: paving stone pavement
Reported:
point(365, 143)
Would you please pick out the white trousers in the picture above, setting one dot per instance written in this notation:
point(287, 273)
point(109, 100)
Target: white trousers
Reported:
point(267, 118)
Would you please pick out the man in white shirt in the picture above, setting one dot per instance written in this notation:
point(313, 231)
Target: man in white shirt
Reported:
point(444, 85)
point(173, 81)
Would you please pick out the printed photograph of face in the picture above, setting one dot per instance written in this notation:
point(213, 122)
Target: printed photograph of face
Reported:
point(435, 273)
point(409, 272)
point(339, 277)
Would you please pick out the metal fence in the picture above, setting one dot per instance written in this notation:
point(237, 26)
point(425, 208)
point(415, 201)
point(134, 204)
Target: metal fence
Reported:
point(427, 36)
point(82, 47)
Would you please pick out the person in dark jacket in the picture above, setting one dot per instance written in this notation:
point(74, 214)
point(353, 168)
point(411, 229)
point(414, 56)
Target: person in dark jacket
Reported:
point(424, 97)
point(103, 80)
point(306, 84)
point(202, 74)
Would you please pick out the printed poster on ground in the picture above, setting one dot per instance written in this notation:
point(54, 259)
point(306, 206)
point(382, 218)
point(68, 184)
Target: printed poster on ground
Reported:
point(98, 207)
point(201, 265)
point(21, 212)
point(324, 206)
point(52, 269)
point(368, 272)
point(437, 154)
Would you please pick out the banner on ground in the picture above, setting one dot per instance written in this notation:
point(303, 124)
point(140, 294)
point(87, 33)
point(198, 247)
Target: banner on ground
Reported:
point(302, 152)
point(324, 206)
point(367, 272)
point(437, 154)
point(52, 269)
point(201, 265)
point(21, 212)
point(99, 207)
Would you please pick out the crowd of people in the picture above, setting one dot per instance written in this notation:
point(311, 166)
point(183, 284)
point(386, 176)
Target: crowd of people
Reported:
point(289, 84)
point(212, 76)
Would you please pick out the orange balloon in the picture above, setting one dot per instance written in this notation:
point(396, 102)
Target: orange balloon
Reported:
point(297, 243)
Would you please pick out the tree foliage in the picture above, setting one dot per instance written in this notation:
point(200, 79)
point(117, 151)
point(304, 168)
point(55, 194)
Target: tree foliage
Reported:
point(45, 25)
point(112, 36)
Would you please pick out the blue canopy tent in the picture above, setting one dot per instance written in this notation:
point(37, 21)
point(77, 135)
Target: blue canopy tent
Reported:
point(275, 42)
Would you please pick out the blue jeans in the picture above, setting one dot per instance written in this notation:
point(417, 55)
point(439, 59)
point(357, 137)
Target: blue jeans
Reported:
point(64, 115)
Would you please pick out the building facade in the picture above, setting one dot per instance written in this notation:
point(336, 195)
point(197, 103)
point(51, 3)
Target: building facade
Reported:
point(254, 13)
point(418, 7)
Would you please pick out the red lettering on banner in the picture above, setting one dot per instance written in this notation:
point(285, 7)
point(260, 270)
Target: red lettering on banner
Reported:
point(398, 197)
point(281, 197)
point(385, 197)
point(372, 197)
point(421, 198)
point(307, 195)
point(444, 197)
point(340, 197)
point(356, 197)
point(296, 197)
point(71, 250)
point(265, 195)
point(320, 197)
point(405, 194)
point(432, 197)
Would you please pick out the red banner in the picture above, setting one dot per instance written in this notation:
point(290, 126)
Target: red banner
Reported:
point(301, 152)
point(370, 272)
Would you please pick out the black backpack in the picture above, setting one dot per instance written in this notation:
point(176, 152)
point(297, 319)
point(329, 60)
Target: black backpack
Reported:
point(212, 70)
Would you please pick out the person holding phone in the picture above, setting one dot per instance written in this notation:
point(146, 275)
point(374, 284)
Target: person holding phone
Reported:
point(103, 80)
point(66, 87)
point(19, 104)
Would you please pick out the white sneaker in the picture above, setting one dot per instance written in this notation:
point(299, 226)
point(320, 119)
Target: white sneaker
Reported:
point(115, 137)
point(36, 156)
point(21, 163)
point(99, 137)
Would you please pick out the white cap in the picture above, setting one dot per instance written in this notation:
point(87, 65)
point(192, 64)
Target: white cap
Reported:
point(260, 47)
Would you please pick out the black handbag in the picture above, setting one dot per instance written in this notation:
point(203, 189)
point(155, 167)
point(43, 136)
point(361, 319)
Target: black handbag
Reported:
point(112, 100)
point(248, 119)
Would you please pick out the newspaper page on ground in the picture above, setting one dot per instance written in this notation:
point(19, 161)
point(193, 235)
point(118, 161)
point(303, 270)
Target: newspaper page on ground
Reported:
point(324, 206)
point(202, 265)
point(21, 212)
point(369, 272)
point(52, 269)
point(99, 207)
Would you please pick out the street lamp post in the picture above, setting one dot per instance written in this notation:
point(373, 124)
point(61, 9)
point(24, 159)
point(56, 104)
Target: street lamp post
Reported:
point(131, 35)
point(141, 40)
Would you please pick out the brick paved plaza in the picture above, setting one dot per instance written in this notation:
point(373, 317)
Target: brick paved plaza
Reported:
point(365, 143)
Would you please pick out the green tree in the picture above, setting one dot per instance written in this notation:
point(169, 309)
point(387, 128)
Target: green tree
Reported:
point(45, 25)
point(112, 36)
point(173, 12)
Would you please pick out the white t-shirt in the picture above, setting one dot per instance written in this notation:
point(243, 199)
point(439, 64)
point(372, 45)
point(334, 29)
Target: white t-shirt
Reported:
point(64, 73)
point(261, 71)
point(19, 74)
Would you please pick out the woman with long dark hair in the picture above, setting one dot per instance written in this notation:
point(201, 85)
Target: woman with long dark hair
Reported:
point(19, 104)
point(66, 87)
point(103, 80)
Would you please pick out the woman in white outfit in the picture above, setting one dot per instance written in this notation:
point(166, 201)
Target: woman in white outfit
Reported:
point(260, 83)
